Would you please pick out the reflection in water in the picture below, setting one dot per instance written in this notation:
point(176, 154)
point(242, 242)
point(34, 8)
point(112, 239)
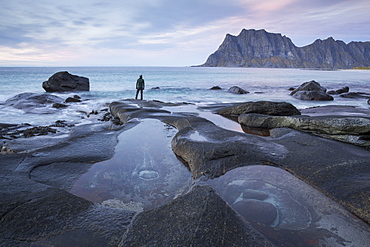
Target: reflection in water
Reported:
point(273, 199)
point(144, 172)
point(255, 131)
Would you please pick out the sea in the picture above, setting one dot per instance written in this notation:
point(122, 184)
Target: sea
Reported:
point(173, 84)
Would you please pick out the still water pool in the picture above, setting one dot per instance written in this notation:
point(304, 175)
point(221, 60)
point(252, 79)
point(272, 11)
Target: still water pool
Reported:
point(144, 172)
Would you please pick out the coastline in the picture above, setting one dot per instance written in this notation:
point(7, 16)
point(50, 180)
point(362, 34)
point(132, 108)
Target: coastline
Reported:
point(68, 154)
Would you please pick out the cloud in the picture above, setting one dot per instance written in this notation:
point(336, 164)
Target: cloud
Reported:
point(162, 32)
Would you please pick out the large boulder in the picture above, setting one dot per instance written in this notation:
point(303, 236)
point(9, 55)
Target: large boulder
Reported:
point(261, 107)
point(311, 90)
point(66, 82)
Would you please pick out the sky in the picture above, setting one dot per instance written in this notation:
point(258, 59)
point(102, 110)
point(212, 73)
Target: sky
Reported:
point(161, 32)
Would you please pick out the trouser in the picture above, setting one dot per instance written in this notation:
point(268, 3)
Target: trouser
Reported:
point(141, 93)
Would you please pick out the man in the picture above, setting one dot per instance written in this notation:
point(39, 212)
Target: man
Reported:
point(140, 85)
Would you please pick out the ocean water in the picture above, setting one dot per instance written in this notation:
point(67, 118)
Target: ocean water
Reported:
point(176, 84)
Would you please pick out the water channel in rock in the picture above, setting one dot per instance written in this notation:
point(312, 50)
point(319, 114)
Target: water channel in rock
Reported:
point(143, 174)
point(278, 203)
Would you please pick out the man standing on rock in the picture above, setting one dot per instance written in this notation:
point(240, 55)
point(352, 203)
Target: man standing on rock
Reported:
point(140, 85)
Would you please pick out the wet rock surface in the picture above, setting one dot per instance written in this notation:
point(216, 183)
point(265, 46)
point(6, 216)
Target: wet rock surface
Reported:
point(193, 220)
point(210, 152)
point(245, 206)
point(282, 206)
point(35, 206)
point(140, 174)
point(29, 101)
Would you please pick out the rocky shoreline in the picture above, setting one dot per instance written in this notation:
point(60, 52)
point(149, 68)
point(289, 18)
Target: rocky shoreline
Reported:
point(37, 208)
point(290, 178)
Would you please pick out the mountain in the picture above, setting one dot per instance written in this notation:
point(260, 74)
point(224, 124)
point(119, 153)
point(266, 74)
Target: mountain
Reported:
point(258, 48)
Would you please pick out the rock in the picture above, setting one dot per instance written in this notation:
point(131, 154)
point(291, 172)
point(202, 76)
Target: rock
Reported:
point(218, 150)
point(59, 105)
point(26, 132)
point(368, 101)
point(37, 131)
point(356, 95)
point(237, 90)
point(339, 91)
point(73, 99)
point(36, 206)
point(336, 110)
point(6, 150)
point(215, 151)
point(335, 168)
point(32, 100)
point(58, 217)
point(311, 90)
point(66, 82)
point(321, 124)
point(254, 210)
point(343, 90)
point(261, 107)
point(215, 88)
point(192, 220)
point(61, 123)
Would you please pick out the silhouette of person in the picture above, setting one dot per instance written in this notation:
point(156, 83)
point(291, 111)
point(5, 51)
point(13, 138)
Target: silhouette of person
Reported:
point(140, 85)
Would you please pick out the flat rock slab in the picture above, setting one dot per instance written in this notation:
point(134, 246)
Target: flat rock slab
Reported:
point(33, 213)
point(36, 207)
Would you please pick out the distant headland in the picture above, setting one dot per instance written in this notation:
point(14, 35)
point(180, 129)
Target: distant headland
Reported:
point(261, 49)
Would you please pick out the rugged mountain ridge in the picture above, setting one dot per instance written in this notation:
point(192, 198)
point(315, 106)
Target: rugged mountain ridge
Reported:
point(258, 48)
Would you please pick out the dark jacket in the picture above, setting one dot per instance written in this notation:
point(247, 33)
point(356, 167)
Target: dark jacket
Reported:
point(140, 83)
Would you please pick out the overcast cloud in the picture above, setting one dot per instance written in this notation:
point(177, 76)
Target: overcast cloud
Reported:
point(161, 32)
